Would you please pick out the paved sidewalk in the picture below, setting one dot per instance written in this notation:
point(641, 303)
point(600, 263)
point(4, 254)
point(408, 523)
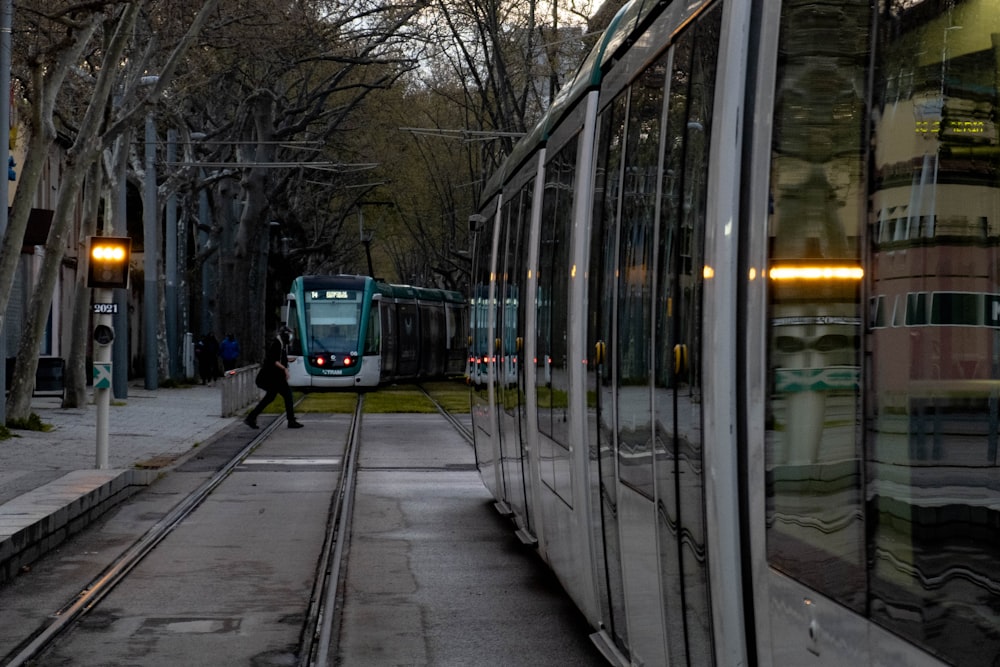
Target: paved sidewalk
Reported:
point(145, 426)
point(49, 485)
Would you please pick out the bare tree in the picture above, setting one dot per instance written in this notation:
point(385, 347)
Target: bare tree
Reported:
point(278, 117)
point(87, 145)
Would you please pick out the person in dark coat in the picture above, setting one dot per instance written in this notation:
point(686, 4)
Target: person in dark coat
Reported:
point(273, 379)
point(207, 351)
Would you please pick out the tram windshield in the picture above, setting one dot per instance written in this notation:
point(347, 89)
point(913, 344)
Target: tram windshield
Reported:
point(333, 320)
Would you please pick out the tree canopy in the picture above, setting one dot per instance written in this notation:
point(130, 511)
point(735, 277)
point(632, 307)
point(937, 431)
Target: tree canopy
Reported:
point(301, 134)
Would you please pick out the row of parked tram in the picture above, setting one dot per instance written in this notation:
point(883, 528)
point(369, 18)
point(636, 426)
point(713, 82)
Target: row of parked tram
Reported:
point(735, 318)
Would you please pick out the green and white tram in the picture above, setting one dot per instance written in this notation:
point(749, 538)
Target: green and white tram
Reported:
point(354, 331)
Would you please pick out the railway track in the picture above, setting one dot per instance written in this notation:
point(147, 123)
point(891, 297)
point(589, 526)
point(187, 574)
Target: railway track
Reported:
point(316, 634)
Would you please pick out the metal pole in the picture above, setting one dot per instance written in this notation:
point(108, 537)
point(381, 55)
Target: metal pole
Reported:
point(102, 392)
point(150, 300)
point(207, 270)
point(6, 19)
point(170, 266)
point(120, 361)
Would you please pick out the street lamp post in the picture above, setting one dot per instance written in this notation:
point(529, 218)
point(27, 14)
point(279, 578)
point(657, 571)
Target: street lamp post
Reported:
point(150, 252)
point(170, 267)
point(6, 19)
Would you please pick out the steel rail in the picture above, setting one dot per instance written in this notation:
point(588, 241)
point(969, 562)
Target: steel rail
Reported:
point(456, 424)
point(316, 640)
point(317, 654)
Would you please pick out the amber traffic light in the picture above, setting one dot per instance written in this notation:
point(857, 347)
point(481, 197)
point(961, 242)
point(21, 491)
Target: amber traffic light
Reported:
point(108, 262)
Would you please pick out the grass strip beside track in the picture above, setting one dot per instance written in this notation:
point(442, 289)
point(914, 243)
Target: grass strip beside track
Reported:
point(397, 398)
point(452, 395)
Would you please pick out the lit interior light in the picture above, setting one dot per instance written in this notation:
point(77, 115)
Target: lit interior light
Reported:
point(817, 273)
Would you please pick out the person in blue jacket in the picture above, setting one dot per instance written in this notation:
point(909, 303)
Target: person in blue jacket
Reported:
point(229, 350)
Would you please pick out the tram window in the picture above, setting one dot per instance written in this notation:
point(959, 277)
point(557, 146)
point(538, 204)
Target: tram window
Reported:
point(813, 459)
point(295, 347)
point(680, 467)
point(934, 524)
point(333, 325)
point(373, 333)
point(553, 281)
point(888, 505)
point(635, 284)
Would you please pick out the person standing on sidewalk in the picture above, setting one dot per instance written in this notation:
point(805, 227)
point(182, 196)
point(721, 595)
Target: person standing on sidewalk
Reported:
point(273, 379)
point(229, 350)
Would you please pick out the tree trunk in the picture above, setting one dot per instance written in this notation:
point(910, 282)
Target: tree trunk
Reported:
point(47, 80)
point(249, 258)
point(23, 383)
point(75, 394)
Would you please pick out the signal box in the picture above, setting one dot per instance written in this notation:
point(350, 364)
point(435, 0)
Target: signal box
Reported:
point(108, 264)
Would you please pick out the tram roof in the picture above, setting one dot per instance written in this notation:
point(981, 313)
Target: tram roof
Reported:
point(588, 76)
point(330, 281)
point(423, 293)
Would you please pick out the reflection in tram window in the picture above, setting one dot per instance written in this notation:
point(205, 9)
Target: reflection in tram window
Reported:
point(677, 378)
point(635, 283)
point(916, 548)
point(479, 360)
point(601, 287)
point(508, 367)
point(933, 413)
point(814, 513)
point(553, 271)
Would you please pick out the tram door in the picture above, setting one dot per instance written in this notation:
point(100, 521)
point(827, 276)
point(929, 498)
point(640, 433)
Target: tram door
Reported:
point(509, 367)
point(600, 419)
point(646, 278)
point(678, 347)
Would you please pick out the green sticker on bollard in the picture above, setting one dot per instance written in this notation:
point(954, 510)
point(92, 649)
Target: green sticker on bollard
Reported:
point(102, 375)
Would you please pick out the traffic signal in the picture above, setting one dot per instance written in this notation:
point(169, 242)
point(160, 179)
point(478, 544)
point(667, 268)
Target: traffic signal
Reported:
point(109, 259)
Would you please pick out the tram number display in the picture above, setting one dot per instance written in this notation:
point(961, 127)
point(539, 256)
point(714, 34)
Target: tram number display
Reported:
point(332, 295)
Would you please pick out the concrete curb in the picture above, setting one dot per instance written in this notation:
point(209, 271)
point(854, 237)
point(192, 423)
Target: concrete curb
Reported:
point(38, 521)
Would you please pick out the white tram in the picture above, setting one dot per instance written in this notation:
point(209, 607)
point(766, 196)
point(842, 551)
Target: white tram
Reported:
point(748, 269)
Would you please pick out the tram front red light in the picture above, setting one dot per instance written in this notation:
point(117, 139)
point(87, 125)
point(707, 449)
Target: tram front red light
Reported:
point(348, 361)
point(320, 361)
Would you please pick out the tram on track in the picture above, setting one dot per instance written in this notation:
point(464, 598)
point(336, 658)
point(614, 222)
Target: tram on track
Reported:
point(736, 311)
point(354, 331)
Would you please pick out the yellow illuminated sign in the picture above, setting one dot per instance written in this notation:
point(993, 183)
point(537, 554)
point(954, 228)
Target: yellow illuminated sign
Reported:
point(951, 126)
point(817, 273)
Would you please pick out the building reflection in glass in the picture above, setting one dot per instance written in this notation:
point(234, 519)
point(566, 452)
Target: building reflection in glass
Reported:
point(908, 383)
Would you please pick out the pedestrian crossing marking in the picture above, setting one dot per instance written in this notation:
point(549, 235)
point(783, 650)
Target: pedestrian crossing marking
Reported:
point(293, 461)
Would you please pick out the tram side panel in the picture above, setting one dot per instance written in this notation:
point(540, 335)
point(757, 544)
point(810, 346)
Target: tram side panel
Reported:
point(457, 327)
point(605, 550)
point(480, 362)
